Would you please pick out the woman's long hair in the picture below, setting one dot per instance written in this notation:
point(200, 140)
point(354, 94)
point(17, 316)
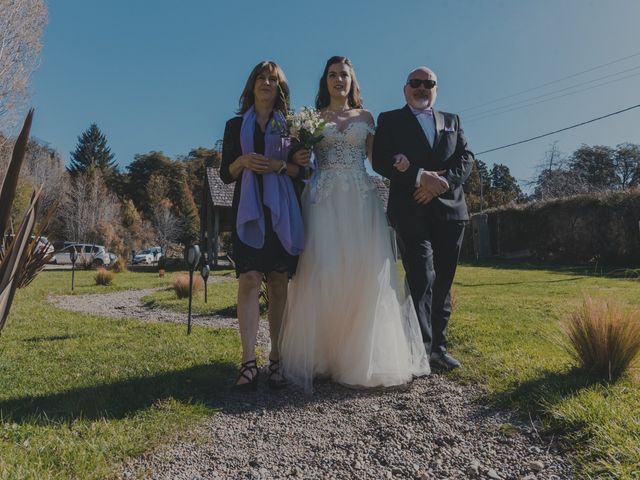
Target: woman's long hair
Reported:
point(323, 98)
point(247, 98)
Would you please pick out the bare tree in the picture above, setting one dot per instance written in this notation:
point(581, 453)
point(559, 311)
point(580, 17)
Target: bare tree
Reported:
point(555, 179)
point(22, 23)
point(87, 205)
point(44, 167)
point(627, 164)
point(166, 224)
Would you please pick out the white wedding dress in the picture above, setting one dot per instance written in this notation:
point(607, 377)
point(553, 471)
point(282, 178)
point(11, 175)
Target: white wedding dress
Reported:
point(346, 317)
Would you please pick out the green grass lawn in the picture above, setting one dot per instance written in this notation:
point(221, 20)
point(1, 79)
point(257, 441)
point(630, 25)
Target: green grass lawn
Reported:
point(221, 297)
point(78, 394)
point(505, 331)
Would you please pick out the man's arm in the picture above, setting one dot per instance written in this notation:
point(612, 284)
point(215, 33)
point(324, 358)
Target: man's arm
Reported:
point(460, 163)
point(383, 153)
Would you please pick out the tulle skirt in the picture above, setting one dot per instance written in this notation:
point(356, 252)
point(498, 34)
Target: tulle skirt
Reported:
point(346, 317)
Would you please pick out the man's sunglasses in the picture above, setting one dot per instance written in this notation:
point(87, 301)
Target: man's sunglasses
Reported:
point(416, 82)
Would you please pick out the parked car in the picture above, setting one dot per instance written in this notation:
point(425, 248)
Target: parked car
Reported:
point(95, 255)
point(144, 256)
point(157, 253)
point(44, 245)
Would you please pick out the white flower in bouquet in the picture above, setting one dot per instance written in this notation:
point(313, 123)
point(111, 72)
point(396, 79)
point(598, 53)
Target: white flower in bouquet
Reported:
point(305, 127)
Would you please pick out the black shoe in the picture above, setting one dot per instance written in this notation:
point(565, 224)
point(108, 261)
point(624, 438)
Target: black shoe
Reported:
point(443, 361)
point(251, 385)
point(273, 381)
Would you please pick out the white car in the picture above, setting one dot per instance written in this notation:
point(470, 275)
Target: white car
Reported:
point(144, 256)
point(95, 255)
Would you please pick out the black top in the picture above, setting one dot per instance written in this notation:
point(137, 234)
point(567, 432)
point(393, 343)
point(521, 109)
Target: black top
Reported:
point(231, 149)
point(272, 256)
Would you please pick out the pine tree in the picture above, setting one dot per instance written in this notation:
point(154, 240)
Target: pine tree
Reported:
point(188, 216)
point(92, 153)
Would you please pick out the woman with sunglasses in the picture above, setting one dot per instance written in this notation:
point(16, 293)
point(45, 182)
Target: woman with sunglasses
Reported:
point(345, 318)
point(268, 232)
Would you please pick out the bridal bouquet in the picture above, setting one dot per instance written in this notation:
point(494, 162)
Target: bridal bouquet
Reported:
point(304, 128)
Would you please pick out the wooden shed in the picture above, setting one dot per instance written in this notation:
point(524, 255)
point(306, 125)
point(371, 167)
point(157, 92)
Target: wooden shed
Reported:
point(215, 215)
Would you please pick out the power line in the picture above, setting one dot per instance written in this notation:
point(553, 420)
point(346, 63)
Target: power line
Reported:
point(552, 82)
point(499, 111)
point(558, 131)
point(570, 87)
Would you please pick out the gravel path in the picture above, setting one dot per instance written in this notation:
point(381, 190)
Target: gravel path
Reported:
point(433, 429)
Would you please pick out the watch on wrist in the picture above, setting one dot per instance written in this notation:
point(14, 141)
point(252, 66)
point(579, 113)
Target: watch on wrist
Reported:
point(283, 168)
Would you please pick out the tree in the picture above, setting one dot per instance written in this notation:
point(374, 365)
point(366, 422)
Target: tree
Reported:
point(187, 213)
point(477, 187)
point(44, 167)
point(166, 224)
point(143, 168)
point(87, 204)
point(504, 187)
point(137, 231)
point(21, 26)
point(627, 165)
point(157, 190)
point(596, 165)
point(558, 183)
point(92, 153)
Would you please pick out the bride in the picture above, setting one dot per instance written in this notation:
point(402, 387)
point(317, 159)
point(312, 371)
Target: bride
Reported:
point(346, 317)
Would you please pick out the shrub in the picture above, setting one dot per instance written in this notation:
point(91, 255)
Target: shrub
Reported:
point(104, 277)
point(603, 337)
point(181, 285)
point(120, 265)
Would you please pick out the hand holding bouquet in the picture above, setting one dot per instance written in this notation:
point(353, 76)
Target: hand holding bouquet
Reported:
point(304, 129)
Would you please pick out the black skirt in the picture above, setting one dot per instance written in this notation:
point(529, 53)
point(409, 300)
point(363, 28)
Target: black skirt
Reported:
point(272, 257)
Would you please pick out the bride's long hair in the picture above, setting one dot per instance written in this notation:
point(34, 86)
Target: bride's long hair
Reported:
point(323, 98)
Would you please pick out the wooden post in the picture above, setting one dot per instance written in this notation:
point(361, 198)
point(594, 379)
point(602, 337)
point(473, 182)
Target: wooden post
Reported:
point(216, 235)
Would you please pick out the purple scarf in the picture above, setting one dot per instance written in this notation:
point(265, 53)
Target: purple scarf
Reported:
point(277, 192)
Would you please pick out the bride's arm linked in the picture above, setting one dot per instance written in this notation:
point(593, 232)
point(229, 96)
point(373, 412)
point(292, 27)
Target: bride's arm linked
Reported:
point(366, 116)
point(384, 152)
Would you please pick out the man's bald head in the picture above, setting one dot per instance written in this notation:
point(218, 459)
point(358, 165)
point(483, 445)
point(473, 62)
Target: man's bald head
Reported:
point(417, 91)
point(424, 70)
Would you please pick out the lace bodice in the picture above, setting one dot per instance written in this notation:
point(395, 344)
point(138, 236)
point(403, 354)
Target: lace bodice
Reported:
point(341, 157)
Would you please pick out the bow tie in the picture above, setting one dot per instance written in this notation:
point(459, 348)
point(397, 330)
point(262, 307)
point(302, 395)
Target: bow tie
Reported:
point(422, 111)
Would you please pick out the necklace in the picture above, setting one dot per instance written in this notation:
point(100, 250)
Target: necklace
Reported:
point(338, 112)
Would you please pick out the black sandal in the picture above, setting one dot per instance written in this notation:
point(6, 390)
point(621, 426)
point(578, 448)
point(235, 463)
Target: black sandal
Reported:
point(274, 370)
point(251, 385)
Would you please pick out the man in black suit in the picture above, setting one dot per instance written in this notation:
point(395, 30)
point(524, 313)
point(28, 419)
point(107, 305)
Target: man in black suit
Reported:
point(426, 201)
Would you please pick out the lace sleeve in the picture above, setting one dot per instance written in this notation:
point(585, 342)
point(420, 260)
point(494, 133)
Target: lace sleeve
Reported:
point(371, 128)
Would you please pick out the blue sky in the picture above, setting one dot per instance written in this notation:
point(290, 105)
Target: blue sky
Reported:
point(165, 75)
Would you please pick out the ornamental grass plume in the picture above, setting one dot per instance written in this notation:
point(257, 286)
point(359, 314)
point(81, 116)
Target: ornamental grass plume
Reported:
point(104, 277)
point(119, 266)
point(181, 285)
point(603, 337)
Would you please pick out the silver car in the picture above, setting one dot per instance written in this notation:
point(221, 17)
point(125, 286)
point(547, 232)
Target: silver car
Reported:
point(94, 255)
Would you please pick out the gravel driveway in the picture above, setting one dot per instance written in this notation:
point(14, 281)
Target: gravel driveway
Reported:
point(433, 429)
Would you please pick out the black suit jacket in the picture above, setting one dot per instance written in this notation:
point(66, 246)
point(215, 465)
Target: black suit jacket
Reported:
point(399, 131)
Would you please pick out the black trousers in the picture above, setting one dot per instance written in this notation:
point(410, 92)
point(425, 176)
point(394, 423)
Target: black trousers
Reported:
point(430, 250)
